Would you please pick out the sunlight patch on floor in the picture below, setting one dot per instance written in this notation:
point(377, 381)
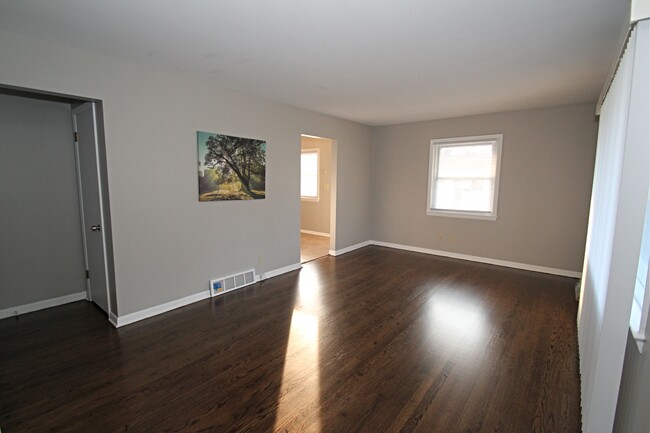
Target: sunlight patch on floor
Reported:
point(456, 323)
point(300, 390)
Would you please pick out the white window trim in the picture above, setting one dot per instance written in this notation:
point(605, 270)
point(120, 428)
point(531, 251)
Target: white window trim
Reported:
point(317, 152)
point(433, 170)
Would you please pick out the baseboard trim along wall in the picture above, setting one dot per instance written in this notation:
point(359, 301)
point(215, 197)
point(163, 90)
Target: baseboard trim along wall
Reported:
point(280, 271)
point(41, 305)
point(311, 232)
point(350, 248)
point(127, 319)
point(508, 264)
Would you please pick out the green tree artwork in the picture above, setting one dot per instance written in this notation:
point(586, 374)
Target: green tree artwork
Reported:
point(231, 168)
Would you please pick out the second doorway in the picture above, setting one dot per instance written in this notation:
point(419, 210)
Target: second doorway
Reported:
point(316, 194)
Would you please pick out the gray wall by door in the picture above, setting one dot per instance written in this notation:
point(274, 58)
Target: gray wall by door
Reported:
point(41, 256)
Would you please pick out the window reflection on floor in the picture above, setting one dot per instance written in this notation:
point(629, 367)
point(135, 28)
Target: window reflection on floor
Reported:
point(454, 319)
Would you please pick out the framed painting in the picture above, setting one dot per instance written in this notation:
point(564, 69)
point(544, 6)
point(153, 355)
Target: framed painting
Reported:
point(231, 168)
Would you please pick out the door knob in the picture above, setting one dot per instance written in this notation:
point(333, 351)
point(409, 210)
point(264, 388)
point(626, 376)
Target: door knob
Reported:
point(97, 228)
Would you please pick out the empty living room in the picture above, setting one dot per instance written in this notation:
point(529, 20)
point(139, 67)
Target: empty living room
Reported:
point(477, 175)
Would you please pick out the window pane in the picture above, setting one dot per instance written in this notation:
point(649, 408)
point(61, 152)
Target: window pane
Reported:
point(309, 174)
point(308, 186)
point(464, 176)
point(309, 163)
point(464, 194)
point(467, 161)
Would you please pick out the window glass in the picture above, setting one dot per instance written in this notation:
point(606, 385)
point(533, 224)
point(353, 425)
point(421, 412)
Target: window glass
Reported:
point(464, 176)
point(309, 174)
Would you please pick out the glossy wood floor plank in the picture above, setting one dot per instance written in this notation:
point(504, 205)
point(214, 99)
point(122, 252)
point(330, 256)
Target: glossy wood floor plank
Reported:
point(376, 340)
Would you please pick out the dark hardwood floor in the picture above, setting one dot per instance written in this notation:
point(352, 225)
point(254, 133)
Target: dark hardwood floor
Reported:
point(376, 340)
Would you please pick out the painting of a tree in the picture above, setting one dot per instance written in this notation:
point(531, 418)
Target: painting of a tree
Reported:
point(231, 168)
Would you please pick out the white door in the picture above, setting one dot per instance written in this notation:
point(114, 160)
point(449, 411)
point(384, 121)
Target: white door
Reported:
point(84, 124)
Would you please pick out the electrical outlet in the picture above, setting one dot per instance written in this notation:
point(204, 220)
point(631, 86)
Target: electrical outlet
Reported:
point(260, 258)
point(452, 238)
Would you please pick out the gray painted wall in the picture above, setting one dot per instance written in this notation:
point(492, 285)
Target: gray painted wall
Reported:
point(168, 245)
point(315, 215)
point(546, 174)
point(40, 230)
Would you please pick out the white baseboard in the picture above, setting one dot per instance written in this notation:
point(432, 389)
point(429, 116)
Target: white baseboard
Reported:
point(311, 232)
point(41, 305)
point(350, 248)
point(127, 319)
point(508, 264)
point(280, 271)
point(113, 319)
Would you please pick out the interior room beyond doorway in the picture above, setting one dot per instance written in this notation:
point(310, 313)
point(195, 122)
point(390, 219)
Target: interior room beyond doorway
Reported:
point(315, 197)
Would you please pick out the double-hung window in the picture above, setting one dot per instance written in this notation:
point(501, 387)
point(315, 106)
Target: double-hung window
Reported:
point(309, 166)
point(464, 176)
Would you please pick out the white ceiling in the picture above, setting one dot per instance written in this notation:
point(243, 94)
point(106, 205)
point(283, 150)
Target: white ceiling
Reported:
point(372, 61)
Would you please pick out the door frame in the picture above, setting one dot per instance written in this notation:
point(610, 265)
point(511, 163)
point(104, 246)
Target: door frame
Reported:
point(333, 190)
point(332, 181)
point(75, 101)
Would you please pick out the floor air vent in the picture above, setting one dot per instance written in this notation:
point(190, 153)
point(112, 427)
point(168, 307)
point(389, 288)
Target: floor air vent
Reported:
point(232, 282)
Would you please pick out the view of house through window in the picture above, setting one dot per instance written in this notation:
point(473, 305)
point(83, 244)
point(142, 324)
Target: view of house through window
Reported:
point(464, 176)
point(309, 174)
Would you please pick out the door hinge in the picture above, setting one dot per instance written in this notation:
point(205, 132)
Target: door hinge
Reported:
point(76, 137)
point(87, 274)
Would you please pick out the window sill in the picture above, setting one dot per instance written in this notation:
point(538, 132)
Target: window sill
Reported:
point(312, 199)
point(637, 326)
point(459, 214)
point(639, 339)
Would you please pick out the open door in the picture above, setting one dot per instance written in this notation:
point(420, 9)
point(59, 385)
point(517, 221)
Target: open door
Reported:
point(92, 213)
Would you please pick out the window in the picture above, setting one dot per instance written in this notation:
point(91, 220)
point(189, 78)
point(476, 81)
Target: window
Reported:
point(641, 301)
point(464, 176)
point(309, 161)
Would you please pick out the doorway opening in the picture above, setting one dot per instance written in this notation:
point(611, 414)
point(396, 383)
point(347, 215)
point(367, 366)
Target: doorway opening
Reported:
point(317, 197)
point(60, 163)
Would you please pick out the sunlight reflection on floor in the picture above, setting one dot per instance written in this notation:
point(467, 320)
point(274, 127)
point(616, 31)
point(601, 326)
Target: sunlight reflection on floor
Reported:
point(453, 319)
point(300, 390)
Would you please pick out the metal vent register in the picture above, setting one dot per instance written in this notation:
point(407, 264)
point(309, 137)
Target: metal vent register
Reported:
point(232, 282)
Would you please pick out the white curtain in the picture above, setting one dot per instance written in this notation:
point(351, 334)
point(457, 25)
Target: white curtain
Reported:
point(613, 239)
